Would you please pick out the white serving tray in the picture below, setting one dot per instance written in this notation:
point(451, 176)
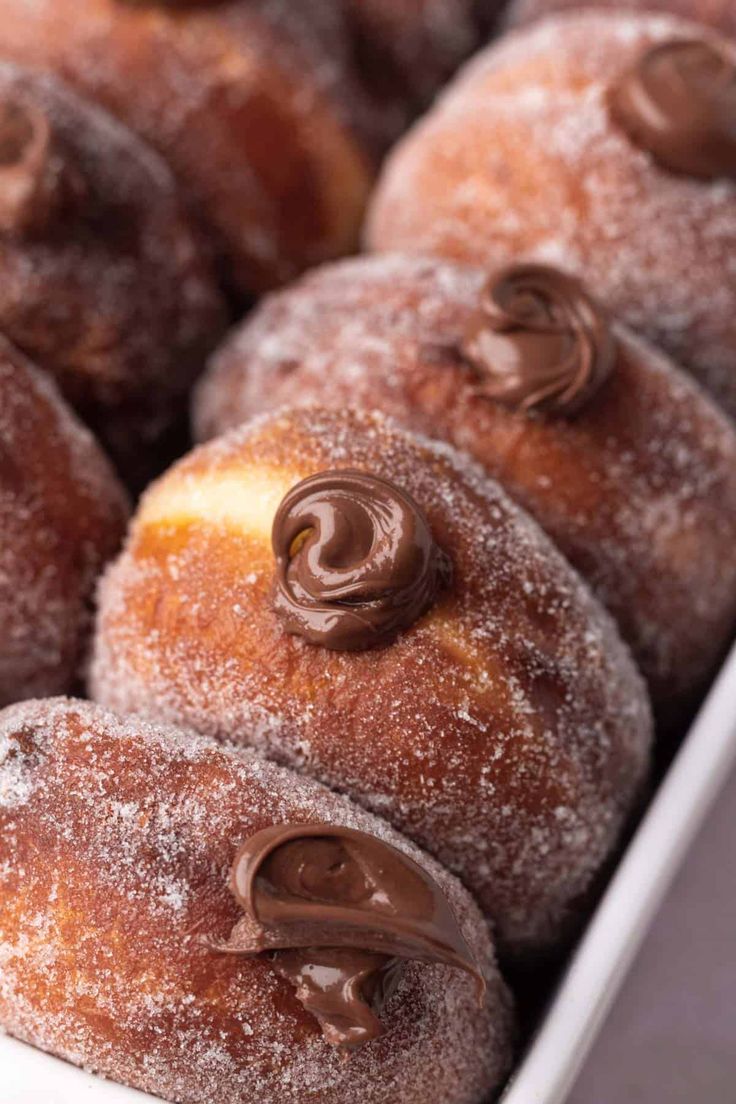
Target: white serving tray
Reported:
point(596, 970)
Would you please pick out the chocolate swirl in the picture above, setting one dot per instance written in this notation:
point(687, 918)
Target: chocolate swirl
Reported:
point(37, 184)
point(538, 342)
point(678, 103)
point(356, 560)
point(341, 910)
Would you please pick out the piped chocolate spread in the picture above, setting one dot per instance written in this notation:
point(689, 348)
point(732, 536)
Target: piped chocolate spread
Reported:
point(538, 341)
point(356, 561)
point(36, 182)
point(678, 102)
point(341, 911)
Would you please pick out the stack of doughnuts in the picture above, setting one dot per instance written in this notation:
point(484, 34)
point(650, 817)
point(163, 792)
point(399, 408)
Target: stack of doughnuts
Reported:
point(376, 672)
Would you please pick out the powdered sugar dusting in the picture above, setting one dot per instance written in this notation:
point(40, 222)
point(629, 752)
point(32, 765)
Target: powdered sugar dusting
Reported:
point(120, 840)
point(507, 732)
point(520, 159)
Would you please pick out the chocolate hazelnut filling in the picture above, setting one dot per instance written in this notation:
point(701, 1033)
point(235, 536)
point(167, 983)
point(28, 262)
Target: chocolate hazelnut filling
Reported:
point(538, 341)
point(678, 103)
point(356, 560)
point(341, 911)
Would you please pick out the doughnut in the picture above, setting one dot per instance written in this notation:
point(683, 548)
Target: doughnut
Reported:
point(543, 151)
point(618, 455)
point(190, 921)
point(366, 607)
point(719, 14)
point(104, 283)
point(62, 516)
point(252, 105)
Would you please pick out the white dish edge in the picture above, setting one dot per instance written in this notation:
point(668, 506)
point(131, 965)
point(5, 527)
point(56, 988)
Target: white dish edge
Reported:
point(637, 889)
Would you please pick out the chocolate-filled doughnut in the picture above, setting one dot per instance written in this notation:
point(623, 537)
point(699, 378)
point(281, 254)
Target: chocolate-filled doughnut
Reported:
point(251, 102)
point(365, 606)
point(618, 455)
point(62, 515)
point(602, 143)
point(103, 282)
point(207, 927)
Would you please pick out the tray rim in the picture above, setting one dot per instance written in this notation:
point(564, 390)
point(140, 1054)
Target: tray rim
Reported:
point(636, 891)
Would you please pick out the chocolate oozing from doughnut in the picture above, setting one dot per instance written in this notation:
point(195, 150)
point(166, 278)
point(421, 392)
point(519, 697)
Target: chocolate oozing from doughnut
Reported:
point(356, 560)
point(342, 911)
point(343, 988)
point(538, 342)
point(678, 102)
point(37, 184)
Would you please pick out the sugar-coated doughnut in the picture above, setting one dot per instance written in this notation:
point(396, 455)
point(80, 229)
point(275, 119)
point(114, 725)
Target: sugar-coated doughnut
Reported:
point(103, 281)
point(62, 515)
point(544, 149)
point(634, 475)
point(251, 103)
point(367, 607)
point(143, 871)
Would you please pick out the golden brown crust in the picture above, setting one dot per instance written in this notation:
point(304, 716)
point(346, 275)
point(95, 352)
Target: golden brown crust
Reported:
point(102, 281)
point(638, 490)
point(116, 841)
point(249, 103)
point(62, 515)
point(507, 730)
point(719, 14)
point(521, 161)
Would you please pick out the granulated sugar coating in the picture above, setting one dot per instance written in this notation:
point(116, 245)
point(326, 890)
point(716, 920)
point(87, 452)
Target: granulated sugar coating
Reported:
point(62, 516)
point(638, 490)
point(116, 840)
point(520, 159)
point(507, 731)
